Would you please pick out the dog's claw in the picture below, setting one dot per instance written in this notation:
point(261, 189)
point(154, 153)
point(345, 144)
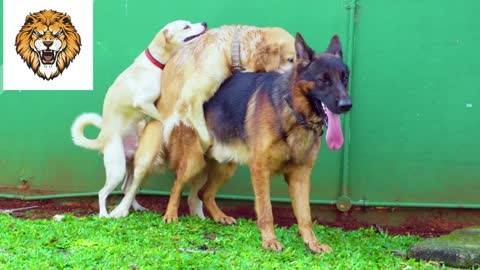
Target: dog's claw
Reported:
point(220, 217)
point(273, 245)
point(168, 218)
point(316, 247)
point(226, 220)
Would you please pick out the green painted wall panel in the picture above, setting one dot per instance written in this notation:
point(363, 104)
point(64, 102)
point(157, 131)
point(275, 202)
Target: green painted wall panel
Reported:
point(415, 124)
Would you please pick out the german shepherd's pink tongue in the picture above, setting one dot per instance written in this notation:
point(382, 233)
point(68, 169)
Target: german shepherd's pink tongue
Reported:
point(334, 131)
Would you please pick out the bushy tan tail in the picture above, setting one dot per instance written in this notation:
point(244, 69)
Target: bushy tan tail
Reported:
point(79, 126)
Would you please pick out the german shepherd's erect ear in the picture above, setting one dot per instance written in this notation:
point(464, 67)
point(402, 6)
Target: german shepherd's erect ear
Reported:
point(304, 53)
point(335, 47)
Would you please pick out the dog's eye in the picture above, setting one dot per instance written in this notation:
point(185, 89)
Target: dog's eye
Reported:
point(290, 59)
point(36, 33)
point(325, 79)
point(186, 27)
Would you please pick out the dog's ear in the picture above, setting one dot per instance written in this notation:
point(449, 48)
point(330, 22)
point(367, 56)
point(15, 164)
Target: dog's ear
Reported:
point(304, 53)
point(161, 38)
point(166, 35)
point(267, 58)
point(335, 47)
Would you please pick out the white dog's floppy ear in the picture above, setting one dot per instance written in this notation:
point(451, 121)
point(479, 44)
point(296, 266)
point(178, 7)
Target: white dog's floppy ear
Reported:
point(335, 47)
point(304, 53)
point(161, 39)
point(166, 35)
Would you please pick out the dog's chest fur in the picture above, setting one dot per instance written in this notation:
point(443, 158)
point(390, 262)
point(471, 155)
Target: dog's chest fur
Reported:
point(300, 143)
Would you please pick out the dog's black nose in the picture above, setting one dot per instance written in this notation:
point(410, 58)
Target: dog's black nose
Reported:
point(48, 43)
point(204, 24)
point(345, 104)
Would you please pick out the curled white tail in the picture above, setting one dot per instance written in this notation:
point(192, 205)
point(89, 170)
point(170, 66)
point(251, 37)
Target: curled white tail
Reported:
point(78, 127)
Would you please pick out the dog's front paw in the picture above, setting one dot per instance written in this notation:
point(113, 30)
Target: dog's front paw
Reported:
point(119, 213)
point(316, 247)
point(225, 220)
point(170, 218)
point(272, 244)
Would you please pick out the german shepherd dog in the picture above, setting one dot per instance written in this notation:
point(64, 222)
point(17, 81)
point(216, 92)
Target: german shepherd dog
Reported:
point(274, 122)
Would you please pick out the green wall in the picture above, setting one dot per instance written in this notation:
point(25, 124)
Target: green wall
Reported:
point(413, 137)
point(416, 122)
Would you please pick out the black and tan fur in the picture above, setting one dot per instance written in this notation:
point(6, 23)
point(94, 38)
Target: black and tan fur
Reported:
point(251, 122)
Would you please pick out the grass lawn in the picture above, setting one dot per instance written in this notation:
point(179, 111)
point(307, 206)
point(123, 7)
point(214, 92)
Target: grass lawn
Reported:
point(143, 241)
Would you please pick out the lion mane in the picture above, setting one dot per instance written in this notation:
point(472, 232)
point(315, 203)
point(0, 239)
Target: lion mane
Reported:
point(48, 43)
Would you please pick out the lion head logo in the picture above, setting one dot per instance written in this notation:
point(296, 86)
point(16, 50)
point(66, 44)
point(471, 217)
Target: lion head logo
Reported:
point(48, 43)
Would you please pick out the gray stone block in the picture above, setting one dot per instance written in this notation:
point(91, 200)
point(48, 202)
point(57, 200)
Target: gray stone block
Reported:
point(461, 248)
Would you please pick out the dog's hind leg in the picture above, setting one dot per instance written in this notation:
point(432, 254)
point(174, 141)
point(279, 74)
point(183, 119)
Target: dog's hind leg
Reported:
point(144, 157)
point(114, 162)
point(218, 175)
point(128, 181)
point(195, 205)
point(298, 180)
point(186, 157)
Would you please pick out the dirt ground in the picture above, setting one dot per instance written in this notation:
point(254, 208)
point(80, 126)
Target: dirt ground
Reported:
point(380, 218)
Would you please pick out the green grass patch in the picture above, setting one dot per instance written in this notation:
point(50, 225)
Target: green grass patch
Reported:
point(143, 241)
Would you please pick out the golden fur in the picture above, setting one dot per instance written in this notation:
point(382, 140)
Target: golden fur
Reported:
point(194, 74)
point(48, 26)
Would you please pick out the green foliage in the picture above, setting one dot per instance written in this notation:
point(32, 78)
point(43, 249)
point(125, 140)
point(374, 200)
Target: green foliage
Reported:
point(143, 241)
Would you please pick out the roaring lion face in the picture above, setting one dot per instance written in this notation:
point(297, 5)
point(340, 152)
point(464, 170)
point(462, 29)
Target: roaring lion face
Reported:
point(47, 43)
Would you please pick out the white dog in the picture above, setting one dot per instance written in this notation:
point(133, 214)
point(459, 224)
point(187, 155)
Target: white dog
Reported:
point(127, 102)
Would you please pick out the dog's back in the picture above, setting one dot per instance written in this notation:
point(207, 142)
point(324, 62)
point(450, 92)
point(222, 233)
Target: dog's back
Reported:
point(227, 110)
point(194, 74)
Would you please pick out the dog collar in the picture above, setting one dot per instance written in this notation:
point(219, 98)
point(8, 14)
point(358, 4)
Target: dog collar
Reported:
point(236, 62)
point(314, 126)
point(153, 60)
